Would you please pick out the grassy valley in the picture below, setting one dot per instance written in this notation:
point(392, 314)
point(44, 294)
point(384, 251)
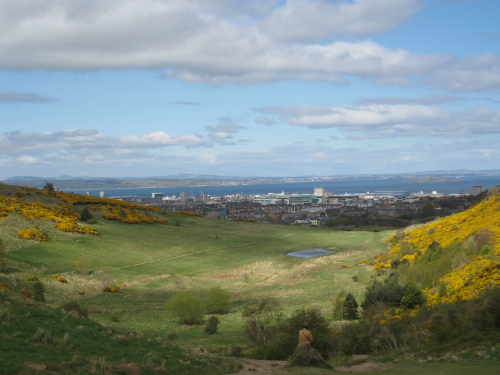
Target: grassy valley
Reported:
point(143, 264)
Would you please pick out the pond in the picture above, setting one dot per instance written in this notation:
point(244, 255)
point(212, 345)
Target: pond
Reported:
point(310, 253)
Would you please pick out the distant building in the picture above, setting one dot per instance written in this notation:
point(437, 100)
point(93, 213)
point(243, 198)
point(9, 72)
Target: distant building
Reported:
point(477, 190)
point(157, 195)
point(183, 197)
point(101, 194)
point(318, 191)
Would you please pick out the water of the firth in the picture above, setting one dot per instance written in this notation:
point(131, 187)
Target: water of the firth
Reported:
point(338, 187)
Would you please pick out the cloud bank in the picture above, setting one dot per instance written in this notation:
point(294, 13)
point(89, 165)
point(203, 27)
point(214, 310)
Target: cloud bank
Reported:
point(226, 41)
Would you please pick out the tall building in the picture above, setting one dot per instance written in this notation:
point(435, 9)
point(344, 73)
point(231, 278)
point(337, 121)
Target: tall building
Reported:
point(318, 191)
point(477, 190)
point(183, 197)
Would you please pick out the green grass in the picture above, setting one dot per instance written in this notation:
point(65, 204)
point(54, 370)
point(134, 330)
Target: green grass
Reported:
point(34, 334)
point(151, 262)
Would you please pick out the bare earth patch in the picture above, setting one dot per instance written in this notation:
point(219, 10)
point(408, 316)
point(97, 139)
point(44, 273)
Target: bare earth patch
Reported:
point(362, 367)
point(257, 366)
point(266, 367)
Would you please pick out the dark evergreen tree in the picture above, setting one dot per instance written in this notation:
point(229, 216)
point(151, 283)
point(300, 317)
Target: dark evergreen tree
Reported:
point(85, 215)
point(350, 308)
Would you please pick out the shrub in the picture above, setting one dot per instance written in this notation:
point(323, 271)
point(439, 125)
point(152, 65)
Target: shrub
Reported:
point(212, 325)
point(38, 292)
point(187, 307)
point(73, 306)
point(389, 292)
point(218, 301)
point(111, 289)
point(413, 297)
point(85, 215)
point(27, 294)
point(32, 234)
point(62, 280)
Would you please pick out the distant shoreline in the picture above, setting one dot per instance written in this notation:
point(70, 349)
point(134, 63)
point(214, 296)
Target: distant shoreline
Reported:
point(431, 179)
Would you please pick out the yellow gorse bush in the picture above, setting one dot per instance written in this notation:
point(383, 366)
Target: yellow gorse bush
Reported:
point(66, 219)
point(455, 228)
point(189, 213)
point(127, 215)
point(32, 234)
point(468, 281)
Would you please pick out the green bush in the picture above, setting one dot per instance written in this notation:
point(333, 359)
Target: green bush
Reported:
point(212, 325)
point(218, 301)
point(38, 292)
point(390, 292)
point(187, 307)
point(412, 298)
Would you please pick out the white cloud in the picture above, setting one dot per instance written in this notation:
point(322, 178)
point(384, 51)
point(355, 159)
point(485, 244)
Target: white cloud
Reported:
point(474, 73)
point(78, 139)
point(391, 120)
point(222, 132)
point(30, 160)
point(21, 97)
point(198, 41)
point(312, 20)
point(265, 120)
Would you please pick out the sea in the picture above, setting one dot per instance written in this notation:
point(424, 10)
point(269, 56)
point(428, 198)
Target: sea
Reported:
point(339, 187)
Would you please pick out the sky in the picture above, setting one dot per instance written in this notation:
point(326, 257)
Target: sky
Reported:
point(258, 88)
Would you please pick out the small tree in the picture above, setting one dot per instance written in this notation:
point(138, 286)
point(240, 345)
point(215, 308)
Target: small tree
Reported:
point(338, 306)
point(38, 292)
point(261, 322)
point(218, 301)
point(49, 186)
point(85, 215)
point(212, 325)
point(187, 307)
point(351, 307)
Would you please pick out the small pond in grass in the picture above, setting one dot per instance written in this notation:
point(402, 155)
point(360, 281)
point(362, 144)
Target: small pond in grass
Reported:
point(310, 253)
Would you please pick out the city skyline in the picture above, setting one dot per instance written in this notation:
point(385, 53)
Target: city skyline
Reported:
point(248, 88)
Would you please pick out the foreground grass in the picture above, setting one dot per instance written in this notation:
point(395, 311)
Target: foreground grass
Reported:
point(34, 336)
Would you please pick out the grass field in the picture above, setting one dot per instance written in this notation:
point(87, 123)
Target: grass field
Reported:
point(151, 262)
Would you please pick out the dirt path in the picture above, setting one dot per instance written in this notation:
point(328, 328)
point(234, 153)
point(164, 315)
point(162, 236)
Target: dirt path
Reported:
point(266, 367)
point(257, 366)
